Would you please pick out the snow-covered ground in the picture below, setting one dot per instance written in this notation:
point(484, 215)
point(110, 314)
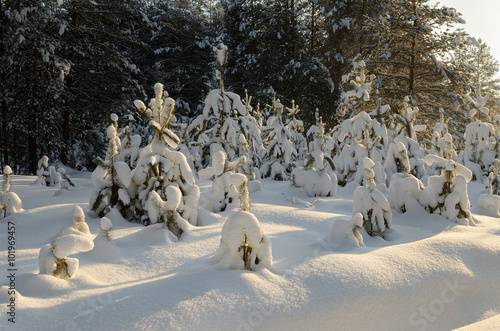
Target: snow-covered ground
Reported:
point(431, 274)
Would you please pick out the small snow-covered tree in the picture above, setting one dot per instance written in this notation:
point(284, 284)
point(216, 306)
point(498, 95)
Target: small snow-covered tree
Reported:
point(53, 258)
point(226, 123)
point(346, 232)
point(296, 129)
point(403, 186)
point(357, 138)
point(160, 165)
point(10, 202)
point(442, 141)
point(372, 204)
point(47, 175)
point(494, 178)
point(129, 147)
point(317, 176)
point(446, 194)
point(160, 211)
point(280, 148)
point(228, 187)
point(243, 244)
point(481, 148)
point(111, 178)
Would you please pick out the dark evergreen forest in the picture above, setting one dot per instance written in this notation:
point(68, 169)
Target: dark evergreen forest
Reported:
point(66, 65)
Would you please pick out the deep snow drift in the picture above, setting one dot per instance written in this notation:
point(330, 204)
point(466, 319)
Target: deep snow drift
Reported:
point(431, 274)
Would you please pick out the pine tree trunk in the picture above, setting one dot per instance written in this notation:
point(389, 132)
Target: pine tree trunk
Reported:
point(32, 125)
point(66, 113)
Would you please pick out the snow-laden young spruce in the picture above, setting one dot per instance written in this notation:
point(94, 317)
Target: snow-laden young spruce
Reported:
point(372, 204)
point(442, 141)
point(317, 177)
point(481, 148)
point(111, 178)
point(161, 166)
point(229, 189)
point(446, 194)
point(243, 245)
point(404, 188)
point(357, 88)
point(10, 202)
point(491, 201)
point(225, 123)
point(345, 233)
point(357, 138)
point(129, 148)
point(405, 131)
point(47, 174)
point(280, 146)
point(296, 129)
point(76, 237)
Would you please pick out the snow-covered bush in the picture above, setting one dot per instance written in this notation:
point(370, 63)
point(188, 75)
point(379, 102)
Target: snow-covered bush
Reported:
point(371, 203)
point(228, 188)
point(53, 258)
point(129, 148)
point(481, 148)
point(243, 244)
point(66, 182)
point(10, 202)
point(105, 233)
point(357, 138)
point(280, 148)
point(489, 202)
point(160, 166)
point(296, 129)
point(346, 232)
point(317, 177)
point(446, 194)
point(111, 178)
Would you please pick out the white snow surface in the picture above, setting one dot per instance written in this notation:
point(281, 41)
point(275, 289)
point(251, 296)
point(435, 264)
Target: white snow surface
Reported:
point(430, 274)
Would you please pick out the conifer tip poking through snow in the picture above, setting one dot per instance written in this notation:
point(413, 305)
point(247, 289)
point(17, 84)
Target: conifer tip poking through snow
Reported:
point(243, 244)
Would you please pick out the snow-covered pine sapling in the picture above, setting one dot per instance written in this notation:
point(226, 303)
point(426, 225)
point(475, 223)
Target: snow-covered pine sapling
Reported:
point(280, 148)
point(405, 122)
point(10, 202)
point(43, 171)
point(160, 211)
point(442, 141)
point(478, 106)
point(106, 227)
point(494, 178)
point(317, 176)
point(53, 258)
point(372, 204)
point(346, 232)
point(356, 138)
point(225, 122)
point(403, 185)
point(296, 129)
point(481, 148)
point(159, 165)
point(228, 187)
point(129, 149)
point(243, 244)
point(446, 194)
point(66, 182)
point(111, 178)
